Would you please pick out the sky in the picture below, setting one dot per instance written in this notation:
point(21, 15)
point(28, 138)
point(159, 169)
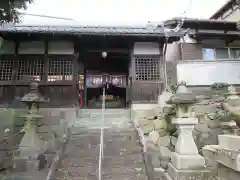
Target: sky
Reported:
point(116, 12)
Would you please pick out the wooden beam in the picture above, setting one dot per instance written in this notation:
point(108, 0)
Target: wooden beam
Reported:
point(46, 62)
point(117, 50)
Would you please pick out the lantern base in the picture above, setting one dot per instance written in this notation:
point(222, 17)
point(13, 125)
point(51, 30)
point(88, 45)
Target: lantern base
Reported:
point(187, 161)
point(21, 164)
point(176, 174)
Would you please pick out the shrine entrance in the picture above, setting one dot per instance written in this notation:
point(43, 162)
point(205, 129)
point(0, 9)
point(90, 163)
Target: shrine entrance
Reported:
point(111, 73)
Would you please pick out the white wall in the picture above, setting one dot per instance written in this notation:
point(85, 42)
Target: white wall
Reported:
point(60, 47)
point(38, 47)
point(209, 72)
point(8, 47)
point(145, 48)
point(173, 52)
point(33, 47)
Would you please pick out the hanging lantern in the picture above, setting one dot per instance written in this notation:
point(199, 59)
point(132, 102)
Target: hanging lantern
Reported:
point(104, 55)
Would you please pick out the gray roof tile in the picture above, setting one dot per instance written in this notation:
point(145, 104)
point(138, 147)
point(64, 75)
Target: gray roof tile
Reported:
point(89, 30)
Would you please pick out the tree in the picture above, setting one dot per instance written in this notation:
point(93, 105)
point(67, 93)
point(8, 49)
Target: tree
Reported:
point(9, 10)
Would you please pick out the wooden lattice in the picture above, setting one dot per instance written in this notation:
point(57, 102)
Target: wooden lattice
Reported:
point(60, 68)
point(147, 68)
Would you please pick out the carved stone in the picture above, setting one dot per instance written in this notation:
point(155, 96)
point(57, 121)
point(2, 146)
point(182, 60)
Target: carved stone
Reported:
point(186, 163)
point(31, 146)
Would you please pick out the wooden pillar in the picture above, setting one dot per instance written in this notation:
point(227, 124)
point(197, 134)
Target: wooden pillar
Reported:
point(75, 77)
point(15, 61)
point(46, 63)
point(75, 67)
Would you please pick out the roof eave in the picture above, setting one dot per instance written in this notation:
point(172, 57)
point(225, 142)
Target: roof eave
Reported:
point(225, 7)
point(171, 36)
point(154, 33)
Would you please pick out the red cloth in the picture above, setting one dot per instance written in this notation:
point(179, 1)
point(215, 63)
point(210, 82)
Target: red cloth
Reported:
point(81, 99)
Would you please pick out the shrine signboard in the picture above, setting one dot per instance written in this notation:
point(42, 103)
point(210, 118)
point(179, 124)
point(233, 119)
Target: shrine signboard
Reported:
point(96, 80)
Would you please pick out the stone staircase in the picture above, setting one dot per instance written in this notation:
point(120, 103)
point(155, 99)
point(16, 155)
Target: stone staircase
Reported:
point(113, 118)
point(123, 158)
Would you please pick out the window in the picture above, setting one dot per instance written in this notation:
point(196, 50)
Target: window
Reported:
point(215, 54)
point(147, 68)
point(60, 68)
point(221, 53)
point(235, 53)
point(208, 54)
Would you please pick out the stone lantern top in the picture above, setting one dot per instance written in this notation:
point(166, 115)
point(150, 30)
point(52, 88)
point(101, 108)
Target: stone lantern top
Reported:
point(232, 98)
point(232, 93)
point(33, 96)
point(183, 95)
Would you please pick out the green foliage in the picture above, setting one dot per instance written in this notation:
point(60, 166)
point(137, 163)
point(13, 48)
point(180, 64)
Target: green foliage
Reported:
point(173, 89)
point(171, 128)
point(9, 10)
point(219, 88)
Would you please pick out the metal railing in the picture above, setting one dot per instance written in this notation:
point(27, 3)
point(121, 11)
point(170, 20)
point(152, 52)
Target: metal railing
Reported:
point(101, 138)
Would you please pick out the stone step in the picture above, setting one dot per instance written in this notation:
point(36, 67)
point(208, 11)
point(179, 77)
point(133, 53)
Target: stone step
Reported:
point(106, 113)
point(106, 110)
point(107, 144)
point(99, 122)
point(108, 135)
point(85, 170)
point(81, 130)
point(37, 175)
point(112, 152)
point(88, 115)
point(98, 126)
point(107, 160)
point(108, 177)
point(99, 118)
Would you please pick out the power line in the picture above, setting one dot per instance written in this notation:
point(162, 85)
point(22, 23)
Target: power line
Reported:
point(46, 16)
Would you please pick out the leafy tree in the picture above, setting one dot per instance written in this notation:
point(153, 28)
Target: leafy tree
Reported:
point(9, 10)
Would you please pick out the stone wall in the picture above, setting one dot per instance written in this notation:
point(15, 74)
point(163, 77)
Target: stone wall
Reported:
point(159, 139)
point(50, 128)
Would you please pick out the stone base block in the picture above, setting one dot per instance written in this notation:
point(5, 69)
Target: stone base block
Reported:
point(201, 174)
point(25, 165)
point(187, 161)
point(159, 173)
point(229, 141)
point(225, 173)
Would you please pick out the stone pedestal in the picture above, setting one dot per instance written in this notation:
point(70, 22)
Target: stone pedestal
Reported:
point(186, 163)
point(189, 174)
point(23, 164)
point(30, 146)
point(186, 154)
point(226, 155)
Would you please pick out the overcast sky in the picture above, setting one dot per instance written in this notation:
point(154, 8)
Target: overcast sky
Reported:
point(113, 12)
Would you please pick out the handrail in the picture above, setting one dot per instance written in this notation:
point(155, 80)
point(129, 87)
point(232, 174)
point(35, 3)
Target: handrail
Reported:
point(101, 138)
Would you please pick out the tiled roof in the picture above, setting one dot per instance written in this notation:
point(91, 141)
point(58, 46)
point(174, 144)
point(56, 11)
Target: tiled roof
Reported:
point(89, 30)
point(207, 24)
point(228, 5)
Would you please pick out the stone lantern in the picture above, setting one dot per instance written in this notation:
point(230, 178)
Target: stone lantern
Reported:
point(186, 156)
point(33, 97)
point(31, 145)
point(183, 99)
point(232, 106)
